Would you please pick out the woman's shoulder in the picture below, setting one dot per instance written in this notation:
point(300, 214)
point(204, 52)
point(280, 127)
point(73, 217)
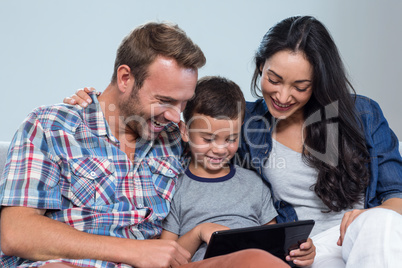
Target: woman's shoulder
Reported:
point(365, 104)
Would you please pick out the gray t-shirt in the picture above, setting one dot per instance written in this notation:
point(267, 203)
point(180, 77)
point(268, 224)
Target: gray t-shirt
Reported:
point(239, 199)
point(292, 181)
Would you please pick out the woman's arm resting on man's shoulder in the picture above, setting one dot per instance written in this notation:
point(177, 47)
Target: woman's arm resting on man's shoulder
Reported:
point(80, 97)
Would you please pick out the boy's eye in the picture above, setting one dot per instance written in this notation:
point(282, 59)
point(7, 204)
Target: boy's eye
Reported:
point(232, 140)
point(207, 140)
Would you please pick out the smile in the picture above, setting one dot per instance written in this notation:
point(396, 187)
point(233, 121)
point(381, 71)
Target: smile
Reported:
point(157, 125)
point(281, 105)
point(215, 159)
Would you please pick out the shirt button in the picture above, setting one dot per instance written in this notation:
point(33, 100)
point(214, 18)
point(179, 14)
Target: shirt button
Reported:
point(93, 174)
point(140, 206)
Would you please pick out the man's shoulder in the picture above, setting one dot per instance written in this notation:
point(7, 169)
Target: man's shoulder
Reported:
point(169, 137)
point(58, 115)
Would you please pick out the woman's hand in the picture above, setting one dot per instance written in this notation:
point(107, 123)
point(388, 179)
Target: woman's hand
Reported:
point(304, 255)
point(80, 97)
point(347, 219)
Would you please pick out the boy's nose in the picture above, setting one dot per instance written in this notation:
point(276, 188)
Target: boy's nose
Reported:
point(219, 149)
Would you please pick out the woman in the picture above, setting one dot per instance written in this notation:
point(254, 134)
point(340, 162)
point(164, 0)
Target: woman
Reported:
point(327, 153)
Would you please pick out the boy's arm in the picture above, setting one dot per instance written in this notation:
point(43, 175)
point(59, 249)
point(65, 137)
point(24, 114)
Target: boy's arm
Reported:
point(273, 221)
point(192, 240)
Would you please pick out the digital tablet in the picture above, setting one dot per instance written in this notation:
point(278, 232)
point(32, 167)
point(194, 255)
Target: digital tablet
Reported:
point(278, 239)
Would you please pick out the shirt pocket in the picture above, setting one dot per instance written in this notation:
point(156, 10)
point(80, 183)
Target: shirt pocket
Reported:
point(164, 174)
point(92, 181)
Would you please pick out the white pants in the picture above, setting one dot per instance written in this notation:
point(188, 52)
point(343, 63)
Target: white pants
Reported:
point(374, 239)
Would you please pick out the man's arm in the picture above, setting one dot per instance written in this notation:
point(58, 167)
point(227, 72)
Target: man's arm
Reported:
point(27, 233)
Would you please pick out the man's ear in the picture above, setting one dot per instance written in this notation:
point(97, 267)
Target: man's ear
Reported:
point(184, 131)
point(125, 79)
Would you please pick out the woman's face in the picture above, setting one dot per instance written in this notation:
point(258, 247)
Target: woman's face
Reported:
point(286, 84)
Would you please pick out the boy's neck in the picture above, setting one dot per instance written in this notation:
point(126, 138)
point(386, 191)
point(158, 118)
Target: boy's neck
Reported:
point(196, 170)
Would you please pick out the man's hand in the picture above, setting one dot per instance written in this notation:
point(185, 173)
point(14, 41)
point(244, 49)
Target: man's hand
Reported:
point(80, 97)
point(160, 253)
point(304, 255)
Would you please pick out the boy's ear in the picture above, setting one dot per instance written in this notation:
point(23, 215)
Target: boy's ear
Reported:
point(183, 131)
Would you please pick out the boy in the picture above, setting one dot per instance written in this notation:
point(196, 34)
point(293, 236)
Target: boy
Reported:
point(214, 194)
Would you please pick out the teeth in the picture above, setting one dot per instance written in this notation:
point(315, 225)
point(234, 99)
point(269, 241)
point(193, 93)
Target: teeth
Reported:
point(158, 124)
point(281, 105)
point(215, 158)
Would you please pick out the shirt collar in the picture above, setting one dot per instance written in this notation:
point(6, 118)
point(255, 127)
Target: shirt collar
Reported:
point(95, 119)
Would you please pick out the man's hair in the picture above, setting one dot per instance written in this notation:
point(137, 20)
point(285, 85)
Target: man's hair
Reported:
point(216, 97)
point(140, 48)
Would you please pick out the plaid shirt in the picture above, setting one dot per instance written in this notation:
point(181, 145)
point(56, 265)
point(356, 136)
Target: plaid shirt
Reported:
point(64, 159)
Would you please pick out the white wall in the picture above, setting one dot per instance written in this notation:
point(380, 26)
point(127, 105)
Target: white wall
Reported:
point(48, 48)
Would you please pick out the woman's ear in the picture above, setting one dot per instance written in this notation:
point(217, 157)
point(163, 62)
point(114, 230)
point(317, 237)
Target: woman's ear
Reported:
point(183, 131)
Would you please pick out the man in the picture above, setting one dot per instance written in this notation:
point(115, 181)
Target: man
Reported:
point(79, 182)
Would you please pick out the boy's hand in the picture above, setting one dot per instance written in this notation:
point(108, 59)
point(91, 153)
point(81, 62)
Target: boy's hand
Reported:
point(80, 97)
point(304, 255)
point(206, 229)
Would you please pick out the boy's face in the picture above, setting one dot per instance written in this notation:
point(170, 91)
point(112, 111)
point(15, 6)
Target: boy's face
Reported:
point(213, 142)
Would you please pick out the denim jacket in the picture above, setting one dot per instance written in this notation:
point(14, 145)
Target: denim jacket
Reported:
point(385, 160)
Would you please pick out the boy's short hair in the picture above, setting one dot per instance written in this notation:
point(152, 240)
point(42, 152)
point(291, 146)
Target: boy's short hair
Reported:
point(216, 97)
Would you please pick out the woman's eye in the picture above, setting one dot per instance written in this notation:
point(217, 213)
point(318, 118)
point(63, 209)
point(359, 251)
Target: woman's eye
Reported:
point(273, 82)
point(301, 89)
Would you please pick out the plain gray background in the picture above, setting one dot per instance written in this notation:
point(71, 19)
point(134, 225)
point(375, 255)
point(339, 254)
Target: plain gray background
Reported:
point(51, 48)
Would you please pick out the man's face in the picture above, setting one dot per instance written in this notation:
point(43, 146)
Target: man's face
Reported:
point(160, 100)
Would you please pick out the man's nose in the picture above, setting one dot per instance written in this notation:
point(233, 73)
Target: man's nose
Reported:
point(173, 114)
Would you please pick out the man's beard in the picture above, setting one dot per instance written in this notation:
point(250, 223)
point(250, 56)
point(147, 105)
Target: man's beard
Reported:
point(134, 119)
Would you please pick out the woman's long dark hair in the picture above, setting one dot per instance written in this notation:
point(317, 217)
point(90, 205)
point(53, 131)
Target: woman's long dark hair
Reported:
point(341, 161)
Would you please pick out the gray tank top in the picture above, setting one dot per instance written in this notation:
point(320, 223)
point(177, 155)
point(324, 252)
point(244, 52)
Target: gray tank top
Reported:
point(293, 181)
